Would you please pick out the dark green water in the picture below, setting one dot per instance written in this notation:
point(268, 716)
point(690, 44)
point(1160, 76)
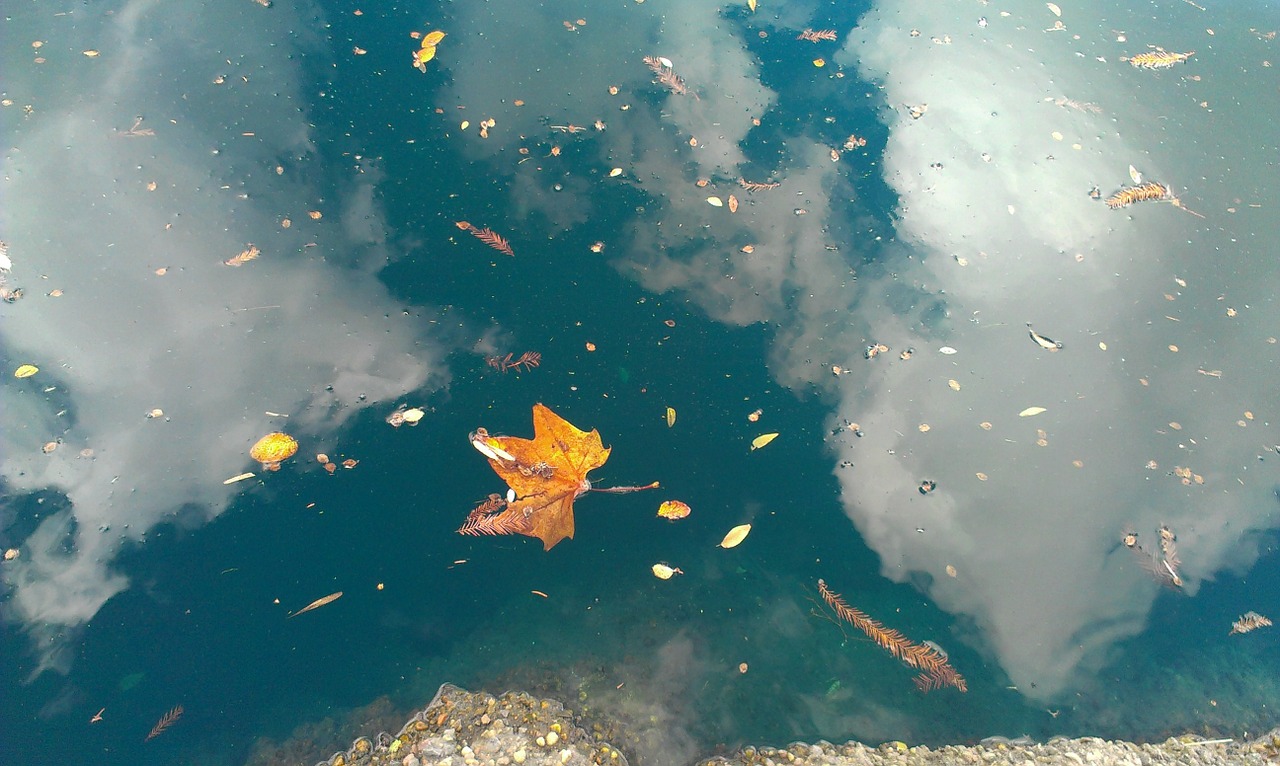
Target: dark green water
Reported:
point(203, 623)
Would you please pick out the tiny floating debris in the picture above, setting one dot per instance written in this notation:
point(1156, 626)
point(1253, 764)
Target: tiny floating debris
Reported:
point(927, 486)
point(1031, 412)
point(947, 350)
point(239, 477)
point(1043, 342)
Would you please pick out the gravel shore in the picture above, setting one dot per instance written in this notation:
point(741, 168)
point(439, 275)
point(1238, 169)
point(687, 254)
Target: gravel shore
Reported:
point(461, 728)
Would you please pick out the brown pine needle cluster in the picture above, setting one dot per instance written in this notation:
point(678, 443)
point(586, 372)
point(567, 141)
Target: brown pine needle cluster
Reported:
point(1247, 622)
point(166, 720)
point(753, 186)
point(935, 672)
point(667, 76)
point(1163, 566)
point(490, 518)
point(487, 236)
point(818, 36)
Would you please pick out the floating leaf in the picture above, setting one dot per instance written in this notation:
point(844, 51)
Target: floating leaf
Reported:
point(432, 38)
point(947, 350)
point(715, 202)
point(762, 440)
point(954, 384)
point(239, 477)
point(615, 172)
point(664, 572)
point(673, 509)
point(671, 417)
point(26, 371)
point(752, 5)
point(736, 536)
point(329, 599)
point(733, 204)
point(1054, 9)
point(1031, 412)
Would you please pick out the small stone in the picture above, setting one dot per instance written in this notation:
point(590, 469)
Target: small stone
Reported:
point(519, 755)
point(552, 738)
point(411, 760)
point(542, 741)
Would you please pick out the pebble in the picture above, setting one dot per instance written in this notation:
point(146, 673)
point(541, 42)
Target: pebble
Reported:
point(470, 741)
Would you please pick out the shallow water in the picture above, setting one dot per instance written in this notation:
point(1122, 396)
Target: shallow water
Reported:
point(143, 582)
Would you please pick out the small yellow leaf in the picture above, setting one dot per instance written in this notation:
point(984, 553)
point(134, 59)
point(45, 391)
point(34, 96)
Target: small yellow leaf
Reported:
point(615, 172)
point(715, 202)
point(239, 477)
point(752, 5)
point(91, 53)
point(762, 440)
point(954, 384)
point(664, 572)
point(1031, 412)
point(819, 63)
point(673, 509)
point(1055, 10)
point(465, 124)
point(432, 38)
point(26, 371)
point(736, 536)
point(671, 417)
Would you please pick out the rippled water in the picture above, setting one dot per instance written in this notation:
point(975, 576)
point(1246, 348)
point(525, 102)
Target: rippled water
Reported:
point(150, 145)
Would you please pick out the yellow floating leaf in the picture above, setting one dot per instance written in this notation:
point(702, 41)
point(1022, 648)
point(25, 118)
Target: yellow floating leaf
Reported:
point(432, 38)
point(762, 440)
point(239, 477)
point(465, 124)
point(671, 417)
point(736, 536)
point(1031, 412)
point(752, 5)
point(673, 509)
point(427, 53)
point(819, 63)
point(664, 572)
point(1055, 10)
point(615, 172)
point(91, 53)
point(715, 202)
point(26, 371)
point(954, 384)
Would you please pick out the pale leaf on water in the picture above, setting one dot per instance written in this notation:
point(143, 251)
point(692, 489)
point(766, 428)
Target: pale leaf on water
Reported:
point(240, 477)
point(715, 202)
point(736, 536)
point(762, 440)
point(1055, 10)
point(671, 417)
point(1031, 411)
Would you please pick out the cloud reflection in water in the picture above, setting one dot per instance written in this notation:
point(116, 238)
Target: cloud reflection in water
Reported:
point(304, 330)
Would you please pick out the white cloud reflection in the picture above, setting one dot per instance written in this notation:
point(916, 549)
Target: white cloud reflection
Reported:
point(304, 330)
point(994, 229)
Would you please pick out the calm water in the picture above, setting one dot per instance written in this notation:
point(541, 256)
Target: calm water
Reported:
point(148, 145)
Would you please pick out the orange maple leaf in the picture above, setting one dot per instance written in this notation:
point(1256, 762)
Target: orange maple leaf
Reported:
point(546, 473)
